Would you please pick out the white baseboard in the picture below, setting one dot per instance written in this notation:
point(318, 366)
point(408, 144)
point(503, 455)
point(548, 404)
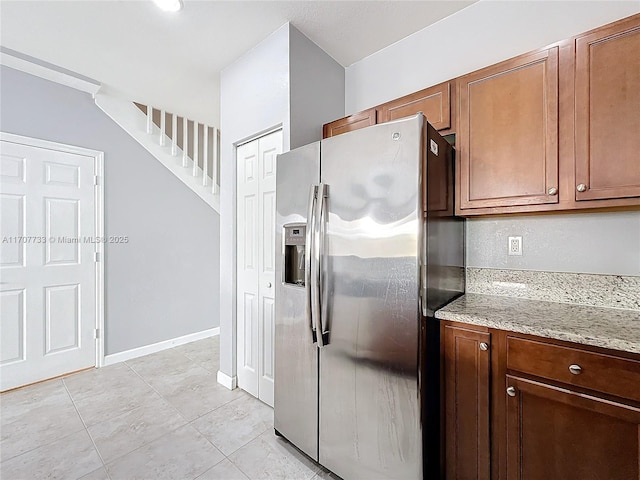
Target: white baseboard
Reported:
point(158, 347)
point(227, 381)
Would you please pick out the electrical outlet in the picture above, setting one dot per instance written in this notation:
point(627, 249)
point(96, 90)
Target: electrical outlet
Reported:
point(515, 246)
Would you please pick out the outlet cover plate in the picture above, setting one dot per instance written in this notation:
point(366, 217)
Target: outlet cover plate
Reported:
point(515, 246)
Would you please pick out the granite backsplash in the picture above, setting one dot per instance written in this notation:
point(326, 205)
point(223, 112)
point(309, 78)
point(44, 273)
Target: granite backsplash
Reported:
point(612, 291)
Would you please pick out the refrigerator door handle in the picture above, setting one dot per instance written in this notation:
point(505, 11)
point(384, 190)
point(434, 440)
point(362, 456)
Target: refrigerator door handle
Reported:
point(308, 260)
point(323, 333)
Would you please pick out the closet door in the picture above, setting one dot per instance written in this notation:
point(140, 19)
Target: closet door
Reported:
point(255, 234)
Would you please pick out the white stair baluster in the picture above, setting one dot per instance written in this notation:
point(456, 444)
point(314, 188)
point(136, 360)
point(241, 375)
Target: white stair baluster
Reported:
point(214, 172)
point(185, 142)
point(149, 119)
point(174, 134)
point(196, 134)
point(163, 128)
point(205, 155)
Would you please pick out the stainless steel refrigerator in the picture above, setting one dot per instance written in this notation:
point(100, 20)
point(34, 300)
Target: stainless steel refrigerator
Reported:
point(368, 247)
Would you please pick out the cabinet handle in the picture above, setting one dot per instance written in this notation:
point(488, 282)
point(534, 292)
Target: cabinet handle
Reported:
point(484, 346)
point(268, 284)
point(553, 191)
point(575, 369)
point(511, 391)
point(581, 187)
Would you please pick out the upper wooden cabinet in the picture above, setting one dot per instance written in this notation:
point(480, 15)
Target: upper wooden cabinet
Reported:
point(433, 102)
point(348, 124)
point(553, 130)
point(607, 112)
point(508, 133)
point(571, 142)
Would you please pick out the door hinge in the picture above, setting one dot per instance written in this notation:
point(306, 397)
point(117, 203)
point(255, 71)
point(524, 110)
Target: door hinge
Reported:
point(96, 333)
point(96, 256)
point(96, 180)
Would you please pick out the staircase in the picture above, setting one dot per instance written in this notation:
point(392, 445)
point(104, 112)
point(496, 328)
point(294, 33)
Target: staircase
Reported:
point(190, 149)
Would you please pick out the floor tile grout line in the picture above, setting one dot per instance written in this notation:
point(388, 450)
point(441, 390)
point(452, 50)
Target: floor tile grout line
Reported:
point(3, 460)
point(246, 474)
point(214, 409)
point(157, 392)
point(241, 446)
point(186, 423)
point(114, 459)
point(238, 466)
point(124, 413)
point(104, 465)
point(132, 368)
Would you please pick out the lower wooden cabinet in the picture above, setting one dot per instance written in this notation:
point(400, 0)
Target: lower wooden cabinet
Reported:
point(466, 373)
point(520, 407)
point(557, 433)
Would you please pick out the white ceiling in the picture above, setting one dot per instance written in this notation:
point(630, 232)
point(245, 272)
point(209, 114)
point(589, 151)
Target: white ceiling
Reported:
point(173, 60)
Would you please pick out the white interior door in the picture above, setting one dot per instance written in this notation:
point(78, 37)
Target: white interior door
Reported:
point(256, 209)
point(48, 284)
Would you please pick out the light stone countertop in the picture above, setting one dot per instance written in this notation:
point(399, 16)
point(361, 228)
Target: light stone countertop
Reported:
point(612, 328)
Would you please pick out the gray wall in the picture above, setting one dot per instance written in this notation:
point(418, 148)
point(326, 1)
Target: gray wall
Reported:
point(316, 89)
point(607, 243)
point(164, 283)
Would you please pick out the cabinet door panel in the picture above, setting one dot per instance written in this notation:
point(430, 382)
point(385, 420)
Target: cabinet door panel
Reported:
point(433, 102)
point(466, 375)
point(350, 123)
point(608, 113)
point(557, 433)
point(508, 134)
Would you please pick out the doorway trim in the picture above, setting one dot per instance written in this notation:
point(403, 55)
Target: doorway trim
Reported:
point(98, 192)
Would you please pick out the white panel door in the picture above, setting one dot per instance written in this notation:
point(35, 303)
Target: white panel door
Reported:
point(256, 186)
point(247, 265)
point(268, 148)
point(48, 287)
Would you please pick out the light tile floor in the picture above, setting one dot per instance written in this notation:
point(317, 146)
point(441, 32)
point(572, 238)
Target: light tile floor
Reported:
point(162, 416)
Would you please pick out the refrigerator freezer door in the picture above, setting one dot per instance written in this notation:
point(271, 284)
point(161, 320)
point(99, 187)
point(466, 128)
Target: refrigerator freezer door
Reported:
point(369, 385)
point(296, 356)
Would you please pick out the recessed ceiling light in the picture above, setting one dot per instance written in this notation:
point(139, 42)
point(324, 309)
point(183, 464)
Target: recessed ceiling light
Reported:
point(169, 5)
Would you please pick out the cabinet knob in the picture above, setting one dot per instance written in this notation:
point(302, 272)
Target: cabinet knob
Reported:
point(581, 187)
point(484, 346)
point(268, 284)
point(553, 191)
point(511, 391)
point(575, 369)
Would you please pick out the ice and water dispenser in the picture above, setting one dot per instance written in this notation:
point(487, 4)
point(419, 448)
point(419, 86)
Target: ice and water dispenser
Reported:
point(294, 243)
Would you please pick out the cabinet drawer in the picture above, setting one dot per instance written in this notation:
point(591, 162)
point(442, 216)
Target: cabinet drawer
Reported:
point(595, 371)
